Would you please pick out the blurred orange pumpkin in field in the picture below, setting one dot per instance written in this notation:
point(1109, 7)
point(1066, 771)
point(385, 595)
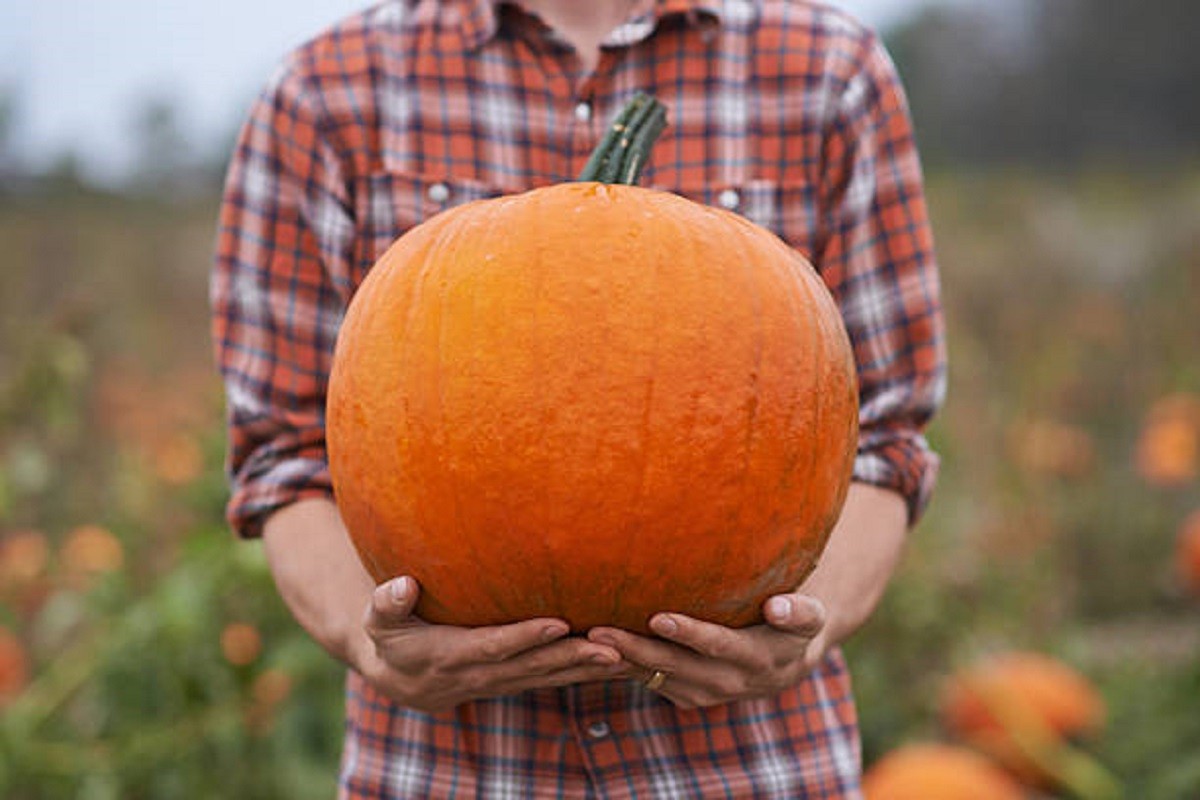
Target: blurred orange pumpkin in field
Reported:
point(24, 556)
point(271, 687)
point(241, 643)
point(1008, 702)
point(1047, 447)
point(177, 460)
point(14, 666)
point(88, 551)
point(25, 582)
point(937, 772)
point(1029, 683)
point(1187, 558)
point(1168, 449)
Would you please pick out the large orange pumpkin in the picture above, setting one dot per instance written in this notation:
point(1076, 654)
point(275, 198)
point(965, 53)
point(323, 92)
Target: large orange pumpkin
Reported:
point(929, 771)
point(1023, 709)
point(595, 402)
point(1023, 685)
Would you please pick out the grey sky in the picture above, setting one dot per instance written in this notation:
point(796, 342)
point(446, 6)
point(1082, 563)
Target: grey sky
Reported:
point(80, 67)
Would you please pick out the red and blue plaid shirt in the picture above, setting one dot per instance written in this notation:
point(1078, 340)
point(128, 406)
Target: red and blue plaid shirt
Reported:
point(788, 112)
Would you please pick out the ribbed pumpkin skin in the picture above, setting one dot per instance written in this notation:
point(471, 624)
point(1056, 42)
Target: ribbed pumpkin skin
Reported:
point(591, 402)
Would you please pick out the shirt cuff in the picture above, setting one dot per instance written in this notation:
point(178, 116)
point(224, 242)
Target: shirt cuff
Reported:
point(255, 499)
point(902, 462)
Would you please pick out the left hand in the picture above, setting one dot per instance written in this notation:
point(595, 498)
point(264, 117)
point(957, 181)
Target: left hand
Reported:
point(708, 664)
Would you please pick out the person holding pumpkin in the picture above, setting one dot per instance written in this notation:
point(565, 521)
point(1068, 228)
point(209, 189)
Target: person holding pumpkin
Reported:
point(785, 111)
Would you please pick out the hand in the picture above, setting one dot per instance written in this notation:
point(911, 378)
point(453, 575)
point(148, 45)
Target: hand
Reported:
point(708, 664)
point(436, 667)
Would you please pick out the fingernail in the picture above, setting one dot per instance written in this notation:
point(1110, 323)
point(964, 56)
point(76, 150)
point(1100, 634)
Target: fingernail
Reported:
point(553, 632)
point(604, 658)
point(779, 608)
point(400, 589)
point(664, 625)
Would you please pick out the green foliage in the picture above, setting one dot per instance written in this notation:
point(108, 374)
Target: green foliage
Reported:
point(110, 416)
point(135, 699)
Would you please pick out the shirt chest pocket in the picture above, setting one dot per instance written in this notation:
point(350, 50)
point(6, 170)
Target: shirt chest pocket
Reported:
point(387, 204)
point(757, 200)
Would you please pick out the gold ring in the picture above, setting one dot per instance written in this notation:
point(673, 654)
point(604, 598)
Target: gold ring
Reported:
point(655, 681)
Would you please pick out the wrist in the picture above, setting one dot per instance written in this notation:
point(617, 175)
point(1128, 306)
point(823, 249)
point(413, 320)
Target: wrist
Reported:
point(843, 621)
point(358, 652)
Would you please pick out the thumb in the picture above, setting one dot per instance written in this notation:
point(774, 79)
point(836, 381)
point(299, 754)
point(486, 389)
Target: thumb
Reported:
point(392, 603)
point(800, 614)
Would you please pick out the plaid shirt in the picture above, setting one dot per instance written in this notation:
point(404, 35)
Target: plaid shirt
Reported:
point(788, 112)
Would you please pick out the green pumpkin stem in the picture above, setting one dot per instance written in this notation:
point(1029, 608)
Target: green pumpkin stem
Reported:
point(621, 155)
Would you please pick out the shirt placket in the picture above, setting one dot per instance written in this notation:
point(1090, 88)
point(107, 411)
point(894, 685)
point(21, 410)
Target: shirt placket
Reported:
point(585, 127)
point(598, 719)
point(578, 104)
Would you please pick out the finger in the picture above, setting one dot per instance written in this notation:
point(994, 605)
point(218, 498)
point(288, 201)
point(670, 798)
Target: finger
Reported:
point(739, 647)
point(695, 679)
point(567, 654)
point(796, 613)
point(498, 643)
point(682, 664)
point(392, 604)
point(566, 677)
point(557, 664)
point(684, 694)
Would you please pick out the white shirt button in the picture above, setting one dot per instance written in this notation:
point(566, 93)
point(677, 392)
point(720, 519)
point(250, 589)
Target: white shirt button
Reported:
point(729, 199)
point(598, 730)
point(583, 112)
point(439, 192)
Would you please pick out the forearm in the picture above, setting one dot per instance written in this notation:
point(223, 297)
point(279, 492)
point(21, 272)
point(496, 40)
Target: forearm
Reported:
point(859, 560)
point(319, 575)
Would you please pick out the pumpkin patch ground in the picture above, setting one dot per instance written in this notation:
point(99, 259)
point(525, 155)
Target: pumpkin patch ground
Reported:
point(1045, 534)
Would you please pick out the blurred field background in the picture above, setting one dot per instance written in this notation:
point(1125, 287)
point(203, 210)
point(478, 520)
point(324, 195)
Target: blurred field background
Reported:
point(144, 653)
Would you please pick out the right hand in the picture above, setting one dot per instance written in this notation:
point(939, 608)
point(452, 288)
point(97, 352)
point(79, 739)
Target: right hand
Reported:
point(436, 667)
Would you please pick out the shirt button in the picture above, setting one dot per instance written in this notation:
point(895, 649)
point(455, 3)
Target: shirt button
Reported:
point(598, 730)
point(729, 199)
point(439, 192)
point(583, 112)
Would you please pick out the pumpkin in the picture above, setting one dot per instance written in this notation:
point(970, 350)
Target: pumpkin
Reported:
point(1054, 449)
point(24, 556)
point(592, 401)
point(88, 552)
point(937, 772)
point(25, 581)
point(1168, 446)
point(241, 643)
point(1023, 709)
point(1187, 556)
point(14, 667)
point(1031, 684)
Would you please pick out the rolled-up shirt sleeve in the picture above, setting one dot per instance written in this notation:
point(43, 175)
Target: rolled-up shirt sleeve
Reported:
point(875, 251)
point(278, 292)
